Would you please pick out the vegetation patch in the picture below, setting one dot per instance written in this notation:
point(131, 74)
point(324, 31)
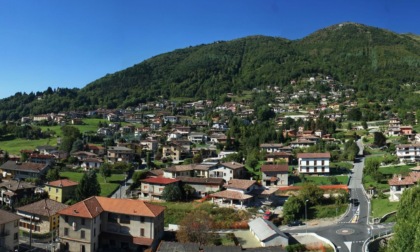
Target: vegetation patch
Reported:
point(380, 207)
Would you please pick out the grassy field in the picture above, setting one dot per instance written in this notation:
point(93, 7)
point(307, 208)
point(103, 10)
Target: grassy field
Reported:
point(16, 145)
point(380, 207)
point(398, 169)
point(106, 187)
point(324, 180)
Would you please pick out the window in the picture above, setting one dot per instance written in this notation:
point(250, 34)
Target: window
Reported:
point(125, 219)
point(66, 231)
point(82, 234)
point(142, 232)
point(94, 232)
point(16, 223)
point(83, 221)
point(141, 219)
point(15, 236)
point(56, 190)
point(66, 219)
point(112, 218)
point(322, 162)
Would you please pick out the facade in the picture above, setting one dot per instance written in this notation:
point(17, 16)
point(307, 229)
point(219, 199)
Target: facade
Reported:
point(9, 231)
point(314, 163)
point(278, 157)
point(275, 175)
point(152, 188)
point(408, 153)
point(120, 154)
point(237, 193)
point(61, 190)
point(271, 147)
point(41, 216)
point(228, 171)
point(112, 224)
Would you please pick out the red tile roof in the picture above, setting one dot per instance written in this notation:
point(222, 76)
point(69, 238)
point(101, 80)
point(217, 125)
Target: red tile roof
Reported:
point(314, 155)
point(62, 183)
point(95, 205)
point(159, 180)
point(275, 168)
point(240, 183)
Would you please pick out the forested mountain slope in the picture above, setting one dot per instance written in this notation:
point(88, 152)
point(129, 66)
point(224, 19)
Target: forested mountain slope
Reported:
point(377, 63)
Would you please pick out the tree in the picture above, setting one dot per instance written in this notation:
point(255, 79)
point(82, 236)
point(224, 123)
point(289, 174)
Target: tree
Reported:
point(197, 158)
point(197, 227)
point(52, 174)
point(379, 139)
point(88, 186)
point(189, 191)
point(77, 146)
point(172, 192)
point(293, 208)
point(311, 192)
point(407, 228)
point(106, 170)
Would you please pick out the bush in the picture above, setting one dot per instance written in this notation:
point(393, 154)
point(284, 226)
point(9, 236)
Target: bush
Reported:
point(296, 248)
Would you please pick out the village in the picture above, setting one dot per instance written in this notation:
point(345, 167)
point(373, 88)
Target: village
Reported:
point(186, 152)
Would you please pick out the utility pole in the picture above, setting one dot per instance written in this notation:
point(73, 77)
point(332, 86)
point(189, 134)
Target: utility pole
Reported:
point(306, 216)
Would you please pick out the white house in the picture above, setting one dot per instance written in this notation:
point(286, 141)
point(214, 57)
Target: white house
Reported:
point(408, 152)
point(228, 171)
point(314, 163)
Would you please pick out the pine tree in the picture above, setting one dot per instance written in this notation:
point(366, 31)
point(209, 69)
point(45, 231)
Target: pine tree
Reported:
point(88, 186)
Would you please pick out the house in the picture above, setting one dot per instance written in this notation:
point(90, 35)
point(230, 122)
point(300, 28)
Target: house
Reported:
point(237, 193)
point(267, 233)
point(178, 170)
point(394, 127)
point(42, 158)
point(19, 170)
point(197, 138)
point(275, 175)
point(41, 216)
point(203, 186)
point(398, 184)
point(152, 188)
point(271, 147)
point(151, 145)
point(61, 190)
point(175, 152)
point(83, 155)
point(314, 163)
point(302, 143)
point(45, 149)
point(98, 150)
point(278, 157)
point(120, 154)
point(228, 171)
point(9, 231)
point(91, 163)
point(406, 130)
point(408, 153)
point(111, 224)
point(12, 191)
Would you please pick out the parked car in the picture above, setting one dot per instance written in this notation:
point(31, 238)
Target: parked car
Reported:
point(295, 223)
point(267, 215)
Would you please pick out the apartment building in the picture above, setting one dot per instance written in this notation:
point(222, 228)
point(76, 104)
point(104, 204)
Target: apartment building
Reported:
point(111, 224)
point(9, 231)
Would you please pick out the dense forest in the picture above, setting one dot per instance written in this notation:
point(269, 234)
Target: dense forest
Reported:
point(378, 64)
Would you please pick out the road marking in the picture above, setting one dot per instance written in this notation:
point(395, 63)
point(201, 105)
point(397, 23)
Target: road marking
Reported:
point(348, 245)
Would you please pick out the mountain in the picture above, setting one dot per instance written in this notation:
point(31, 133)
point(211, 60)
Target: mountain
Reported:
point(377, 63)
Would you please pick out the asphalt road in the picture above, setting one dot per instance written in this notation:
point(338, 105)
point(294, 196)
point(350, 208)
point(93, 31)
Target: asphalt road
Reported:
point(349, 234)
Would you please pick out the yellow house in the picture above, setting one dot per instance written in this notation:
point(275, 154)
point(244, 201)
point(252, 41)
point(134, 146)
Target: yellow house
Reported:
point(41, 216)
point(61, 190)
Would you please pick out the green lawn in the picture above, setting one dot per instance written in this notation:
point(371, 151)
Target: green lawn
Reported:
point(368, 181)
point(106, 188)
point(14, 146)
point(380, 207)
point(398, 169)
point(324, 180)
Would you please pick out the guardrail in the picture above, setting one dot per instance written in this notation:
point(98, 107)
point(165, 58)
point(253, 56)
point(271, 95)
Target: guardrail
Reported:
point(381, 235)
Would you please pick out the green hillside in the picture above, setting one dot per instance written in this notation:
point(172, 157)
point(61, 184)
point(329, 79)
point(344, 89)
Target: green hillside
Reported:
point(379, 64)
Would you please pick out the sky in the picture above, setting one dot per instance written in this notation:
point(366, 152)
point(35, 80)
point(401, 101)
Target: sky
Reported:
point(68, 44)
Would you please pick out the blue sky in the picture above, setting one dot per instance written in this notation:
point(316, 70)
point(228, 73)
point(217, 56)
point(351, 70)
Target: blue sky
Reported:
point(50, 43)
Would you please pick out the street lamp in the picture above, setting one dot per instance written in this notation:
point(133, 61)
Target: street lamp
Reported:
point(306, 216)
